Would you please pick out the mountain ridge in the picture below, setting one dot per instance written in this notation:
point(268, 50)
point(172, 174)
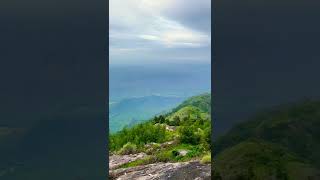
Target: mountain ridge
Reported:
point(288, 131)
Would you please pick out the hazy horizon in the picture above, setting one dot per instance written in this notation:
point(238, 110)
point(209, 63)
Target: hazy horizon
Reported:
point(127, 81)
point(156, 47)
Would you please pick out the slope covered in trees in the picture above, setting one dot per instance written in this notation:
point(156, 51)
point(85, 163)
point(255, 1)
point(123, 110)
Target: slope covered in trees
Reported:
point(282, 143)
point(180, 135)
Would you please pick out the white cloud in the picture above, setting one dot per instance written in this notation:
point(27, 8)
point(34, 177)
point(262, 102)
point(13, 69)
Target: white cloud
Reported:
point(172, 34)
point(150, 37)
point(146, 25)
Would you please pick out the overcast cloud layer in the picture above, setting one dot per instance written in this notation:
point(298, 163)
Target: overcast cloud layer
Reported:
point(151, 31)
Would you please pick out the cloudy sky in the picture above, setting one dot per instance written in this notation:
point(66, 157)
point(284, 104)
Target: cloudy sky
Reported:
point(148, 31)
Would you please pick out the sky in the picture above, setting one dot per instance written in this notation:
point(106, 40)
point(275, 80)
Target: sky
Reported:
point(149, 31)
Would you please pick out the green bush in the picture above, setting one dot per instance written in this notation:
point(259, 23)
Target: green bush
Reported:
point(195, 151)
point(155, 120)
point(165, 156)
point(188, 136)
point(139, 135)
point(128, 148)
point(162, 119)
point(175, 122)
point(153, 148)
point(206, 159)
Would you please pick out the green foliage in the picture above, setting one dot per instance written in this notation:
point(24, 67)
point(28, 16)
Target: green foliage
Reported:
point(188, 135)
point(139, 135)
point(196, 132)
point(164, 156)
point(156, 120)
point(192, 133)
point(294, 126)
point(194, 126)
point(161, 119)
point(188, 113)
point(206, 159)
point(128, 148)
point(202, 102)
point(174, 122)
point(255, 159)
point(144, 161)
point(152, 148)
point(282, 143)
point(172, 154)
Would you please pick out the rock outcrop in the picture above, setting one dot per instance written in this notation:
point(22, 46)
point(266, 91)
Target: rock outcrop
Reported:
point(117, 160)
point(164, 171)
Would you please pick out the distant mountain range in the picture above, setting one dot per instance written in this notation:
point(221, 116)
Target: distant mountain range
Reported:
point(130, 111)
point(126, 81)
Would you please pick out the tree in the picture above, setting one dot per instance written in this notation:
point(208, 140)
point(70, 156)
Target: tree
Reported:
point(188, 136)
point(176, 121)
point(162, 119)
point(156, 119)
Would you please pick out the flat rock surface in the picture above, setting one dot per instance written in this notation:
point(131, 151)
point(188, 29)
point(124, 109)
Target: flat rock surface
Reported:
point(164, 171)
point(117, 160)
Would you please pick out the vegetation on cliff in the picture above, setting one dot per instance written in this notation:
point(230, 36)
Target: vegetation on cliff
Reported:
point(180, 135)
point(283, 143)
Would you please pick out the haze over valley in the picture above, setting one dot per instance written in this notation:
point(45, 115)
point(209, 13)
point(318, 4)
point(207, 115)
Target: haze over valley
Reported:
point(138, 92)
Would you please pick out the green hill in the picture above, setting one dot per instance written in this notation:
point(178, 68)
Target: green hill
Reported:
point(286, 143)
point(188, 126)
point(257, 159)
point(203, 102)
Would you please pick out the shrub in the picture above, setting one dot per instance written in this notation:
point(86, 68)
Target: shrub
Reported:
point(188, 136)
point(128, 148)
point(156, 120)
point(164, 156)
point(175, 153)
point(152, 148)
point(174, 122)
point(138, 162)
point(206, 159)
point(195, 151)
point(162, 119)
point(139, 135)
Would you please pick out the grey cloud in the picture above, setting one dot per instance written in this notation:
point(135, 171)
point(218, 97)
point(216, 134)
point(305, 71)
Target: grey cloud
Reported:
point(180, 32)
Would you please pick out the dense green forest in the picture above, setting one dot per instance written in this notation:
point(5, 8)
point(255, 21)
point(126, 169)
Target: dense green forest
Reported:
point(186, 128)
point(282, 143)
